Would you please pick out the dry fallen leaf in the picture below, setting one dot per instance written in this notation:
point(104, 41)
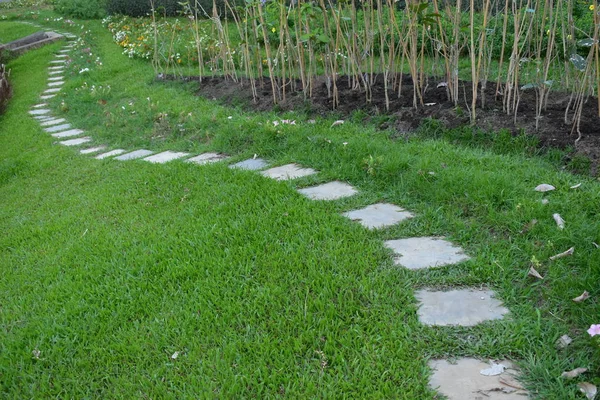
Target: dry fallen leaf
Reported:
point(544, 187)
point(559, 221)
point(534, 273)
point(576, 186)
point(564, 341)
point(495, 369)
point(563, 254)
point(573, 373)
point(338, 122)
point(583, 296)
point(175, 355)
point(588, 389)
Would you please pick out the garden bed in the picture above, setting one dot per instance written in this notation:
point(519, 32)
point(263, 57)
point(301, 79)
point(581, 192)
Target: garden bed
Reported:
point(552, 132)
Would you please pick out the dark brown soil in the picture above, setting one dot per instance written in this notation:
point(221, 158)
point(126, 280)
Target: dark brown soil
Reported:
point(552, 130)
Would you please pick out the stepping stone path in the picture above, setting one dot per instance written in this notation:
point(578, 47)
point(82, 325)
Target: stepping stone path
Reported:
point(288, 172)
point(462, 379)
point(425, 252)
point(328, 191)
point(379, 215)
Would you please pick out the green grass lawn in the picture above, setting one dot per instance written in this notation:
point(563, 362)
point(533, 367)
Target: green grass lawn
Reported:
point(109, 269)
point(15, 30)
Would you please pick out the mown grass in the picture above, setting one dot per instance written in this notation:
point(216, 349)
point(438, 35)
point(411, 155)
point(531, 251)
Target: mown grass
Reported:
point(15, 30)
point(109, 269)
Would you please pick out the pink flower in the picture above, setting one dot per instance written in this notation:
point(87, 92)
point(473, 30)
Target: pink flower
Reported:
point(594, 330)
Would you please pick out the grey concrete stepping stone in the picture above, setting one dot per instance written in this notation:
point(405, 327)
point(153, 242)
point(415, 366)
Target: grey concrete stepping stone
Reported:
point(76, 142)
point(207, 158)
point(379, 215)
point(134, 155)
point(39, 111)
point(69, 133)
point(165, 156)
point(56, 78)
point(63, 51)
point(425, 252)
point(462, 380)
point(61, 55)
point(47, 96)
point(58, 61)
point(252, 164)
point(55, 72)
point(58, 128)
point(43, 117)
point(464, 307)
point(57, 68)
point(329, 191)
point(56, 83)
point(287, 172)
point(53, 90)
point(40, 105)
point(51, 122)
point(111, 153)
point(91, 150)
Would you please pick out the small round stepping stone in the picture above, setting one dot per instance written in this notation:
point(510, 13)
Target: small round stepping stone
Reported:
point(252, 164)
point(56, 78)
point(69, 133)
point(58, 128)
point(56, 83)
point(40, 111)
point(165, 156)
point(329, 191)
point(462, 380)
point(51, 122)
point(288, 172)
point(76, 142)
point(134, 155)
point(40, 105)
point(425, 252)
point(53, 90)
point(91, 150)
point(48, 96)
point(379, 215)
point(111, 153)
point(206, 158)
point(463, 307)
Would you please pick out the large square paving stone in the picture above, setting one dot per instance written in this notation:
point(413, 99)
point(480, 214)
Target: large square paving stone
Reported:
point(287, 172)
point(379, 215)
point(464, 307)
point(252, 164)
point(463, 380)
point(165, 156)
point(425, 252)
point(207, 158)
point(329, 191)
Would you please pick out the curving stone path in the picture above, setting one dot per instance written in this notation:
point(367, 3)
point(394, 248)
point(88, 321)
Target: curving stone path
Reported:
point(463, 379)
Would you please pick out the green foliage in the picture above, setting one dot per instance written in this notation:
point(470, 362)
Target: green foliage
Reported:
point(26, 4)
point(5, 88)
point(82, 9)
point(139, 8)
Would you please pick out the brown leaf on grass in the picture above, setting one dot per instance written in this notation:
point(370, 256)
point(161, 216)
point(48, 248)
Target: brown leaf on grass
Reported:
point(583, 296)
point(559, 221)
point(338, 122)
point(573, 373)
point(564, 341)
point(563, 254)
point(534, 273)
point(588, 389)
point(527, 227)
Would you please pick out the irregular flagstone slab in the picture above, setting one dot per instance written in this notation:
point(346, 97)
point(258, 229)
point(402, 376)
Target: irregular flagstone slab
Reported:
point(53, 90)
point(40, 111)
point(329, 191)
point(69, 133)
point(464, 307)
point(165, 156)
point(48, 96)
point(56, 83)
point(379, 215)
point(287, 172)
point(56, 78)
point(76, 142)
point(207, 158)
point(111, 153)
point(134, 155)
point(58, 128)
point(52, 122)
point(252, 164)
point(425, 252)
point(91, 150)
point(40, 105)
point(462, 380)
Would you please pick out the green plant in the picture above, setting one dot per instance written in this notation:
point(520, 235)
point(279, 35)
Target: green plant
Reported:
point(82, 9)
